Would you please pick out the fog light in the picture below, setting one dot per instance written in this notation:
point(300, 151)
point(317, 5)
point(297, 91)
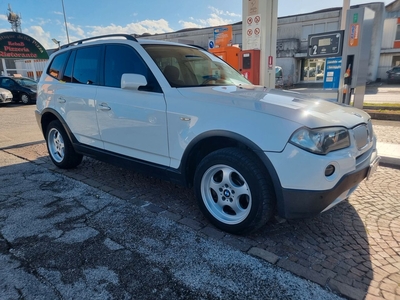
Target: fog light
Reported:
point(329, 170)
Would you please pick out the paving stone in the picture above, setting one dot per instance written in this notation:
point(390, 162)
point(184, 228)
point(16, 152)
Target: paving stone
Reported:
point(268, 256)
point(346, 290)
point(359, 238)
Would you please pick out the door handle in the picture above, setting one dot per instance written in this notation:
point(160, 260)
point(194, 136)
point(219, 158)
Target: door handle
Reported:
point(61, 100)
point(104, 106)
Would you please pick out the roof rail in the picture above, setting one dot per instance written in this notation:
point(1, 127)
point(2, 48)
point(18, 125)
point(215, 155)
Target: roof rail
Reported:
point(79, 42)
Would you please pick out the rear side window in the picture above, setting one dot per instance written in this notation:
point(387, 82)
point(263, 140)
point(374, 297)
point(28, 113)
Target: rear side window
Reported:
point(87, 64)
point(67, 77)
point(57, 65)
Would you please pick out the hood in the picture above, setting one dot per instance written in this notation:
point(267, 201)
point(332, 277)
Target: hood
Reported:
point(301, 108)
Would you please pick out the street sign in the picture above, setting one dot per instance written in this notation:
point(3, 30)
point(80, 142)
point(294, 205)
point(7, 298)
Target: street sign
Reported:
point(328, 44)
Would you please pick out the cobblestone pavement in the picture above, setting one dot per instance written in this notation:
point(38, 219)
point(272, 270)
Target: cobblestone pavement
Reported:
point(353, 249)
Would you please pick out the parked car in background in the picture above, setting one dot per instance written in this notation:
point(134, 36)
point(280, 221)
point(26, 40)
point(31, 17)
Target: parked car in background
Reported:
point(5, 96)
point(394, 75)
point(23, 89)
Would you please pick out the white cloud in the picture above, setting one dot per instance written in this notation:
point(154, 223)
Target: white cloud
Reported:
point(146, 26)
point(40, 35)
point(189, 24)
point(3, 18)
point(217, 17)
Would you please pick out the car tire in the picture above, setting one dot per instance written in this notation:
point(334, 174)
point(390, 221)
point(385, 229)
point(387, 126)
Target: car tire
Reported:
point(233, 191)
point(24, 98)
point(60, 147)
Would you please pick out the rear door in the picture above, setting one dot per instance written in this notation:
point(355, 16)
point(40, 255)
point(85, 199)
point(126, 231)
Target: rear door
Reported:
point(76, 91)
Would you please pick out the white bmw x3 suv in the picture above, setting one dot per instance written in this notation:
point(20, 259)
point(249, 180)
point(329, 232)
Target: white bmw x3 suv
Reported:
point(180, 113)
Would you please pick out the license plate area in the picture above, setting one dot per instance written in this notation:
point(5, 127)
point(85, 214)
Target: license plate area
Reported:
point(372, 167)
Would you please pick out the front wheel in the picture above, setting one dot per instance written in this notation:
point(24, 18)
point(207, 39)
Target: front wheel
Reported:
point(25, 99)
point(60, 147)
point(233, 191)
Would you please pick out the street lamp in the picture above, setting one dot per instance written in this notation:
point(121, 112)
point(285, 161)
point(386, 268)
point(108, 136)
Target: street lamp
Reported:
point(65, 20)
point(56, 42)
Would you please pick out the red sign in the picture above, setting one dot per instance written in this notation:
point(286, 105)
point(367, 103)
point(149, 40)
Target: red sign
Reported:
point(257, 31)
point(249, 20)
point(257, 19)
point(270, 61)
point(249, 32)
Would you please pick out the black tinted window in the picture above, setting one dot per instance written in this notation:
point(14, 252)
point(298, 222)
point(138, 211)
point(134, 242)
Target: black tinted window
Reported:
point(67, 77)
point(86, 65)
point(57, 64)
point(7, 83)
point(121, 59)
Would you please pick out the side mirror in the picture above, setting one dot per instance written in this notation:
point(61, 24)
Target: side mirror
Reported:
point(132, 81)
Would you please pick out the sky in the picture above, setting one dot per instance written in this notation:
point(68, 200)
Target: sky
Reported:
point(44, 19)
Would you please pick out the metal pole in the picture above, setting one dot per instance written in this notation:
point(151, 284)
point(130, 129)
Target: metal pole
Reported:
point(345, 8)
point(65, 21)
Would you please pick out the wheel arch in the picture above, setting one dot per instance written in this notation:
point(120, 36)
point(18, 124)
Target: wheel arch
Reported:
point(49, 115)
point(211, 141)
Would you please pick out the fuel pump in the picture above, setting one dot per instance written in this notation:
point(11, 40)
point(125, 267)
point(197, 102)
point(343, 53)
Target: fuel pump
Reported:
point(355, 55)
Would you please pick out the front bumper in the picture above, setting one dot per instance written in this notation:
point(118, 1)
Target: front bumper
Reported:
point(7, 100)
point(302, 203)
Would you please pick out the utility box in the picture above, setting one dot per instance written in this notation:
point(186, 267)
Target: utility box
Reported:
point(249, 65)
point(229, 54)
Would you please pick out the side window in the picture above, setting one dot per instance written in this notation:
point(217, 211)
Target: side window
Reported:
point(67, 77)
point(6, 83)
point(87, 62)
point(57, 64)
point(120, 59)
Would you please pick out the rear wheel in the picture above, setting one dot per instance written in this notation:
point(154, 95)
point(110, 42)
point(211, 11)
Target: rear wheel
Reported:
point(60, 147)
point(233, 191)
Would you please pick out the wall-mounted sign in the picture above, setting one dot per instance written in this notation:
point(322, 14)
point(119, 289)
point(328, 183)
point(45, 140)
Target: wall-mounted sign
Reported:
point(328, 44)
point(18, 45)
point(223, 36)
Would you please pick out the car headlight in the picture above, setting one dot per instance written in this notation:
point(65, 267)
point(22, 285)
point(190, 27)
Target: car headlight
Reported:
point(321, 140)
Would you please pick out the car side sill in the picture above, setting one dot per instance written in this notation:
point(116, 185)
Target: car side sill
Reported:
point(159, 171)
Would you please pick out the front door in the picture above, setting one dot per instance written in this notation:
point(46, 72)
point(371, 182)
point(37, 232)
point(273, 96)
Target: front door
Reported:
point(131, 122)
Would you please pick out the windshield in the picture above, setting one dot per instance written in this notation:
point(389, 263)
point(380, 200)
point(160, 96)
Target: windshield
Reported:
point(190, 67)
point(26, 82)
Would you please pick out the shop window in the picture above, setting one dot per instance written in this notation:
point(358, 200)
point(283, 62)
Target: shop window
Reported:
point(306, 31)
point(313, 70)
point(398, 33)
point(332, 26)
point(396, 61)
point(318, 28)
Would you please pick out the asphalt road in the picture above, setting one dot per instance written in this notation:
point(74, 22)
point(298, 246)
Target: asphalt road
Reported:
point(63, 239)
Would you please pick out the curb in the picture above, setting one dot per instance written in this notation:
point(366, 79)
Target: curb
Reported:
point(390, 162)
point(382, 115)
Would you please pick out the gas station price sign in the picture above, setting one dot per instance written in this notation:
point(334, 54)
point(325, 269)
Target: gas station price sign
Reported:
point(328, 44)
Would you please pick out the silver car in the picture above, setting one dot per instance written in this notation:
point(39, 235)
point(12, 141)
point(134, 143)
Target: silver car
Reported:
point(5, 96)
